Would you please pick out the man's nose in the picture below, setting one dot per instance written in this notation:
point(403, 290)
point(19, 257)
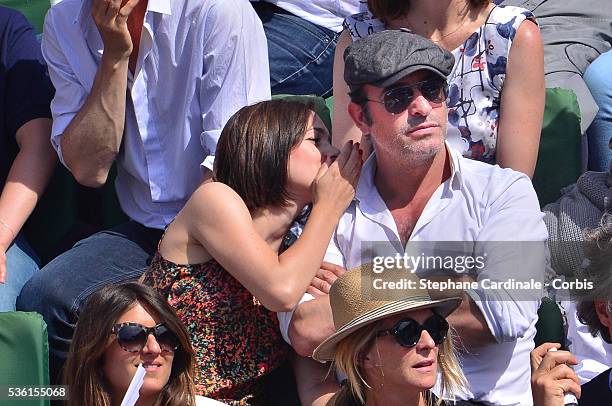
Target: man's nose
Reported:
point(420, 106)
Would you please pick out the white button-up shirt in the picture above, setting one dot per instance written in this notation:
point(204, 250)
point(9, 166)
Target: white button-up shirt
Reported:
point(199, 62)
point(479, 203)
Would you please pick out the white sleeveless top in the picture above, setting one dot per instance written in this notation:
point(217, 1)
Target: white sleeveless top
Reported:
point(476, 81)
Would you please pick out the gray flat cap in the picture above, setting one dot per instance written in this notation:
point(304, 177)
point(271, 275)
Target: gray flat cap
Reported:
point(385, 57)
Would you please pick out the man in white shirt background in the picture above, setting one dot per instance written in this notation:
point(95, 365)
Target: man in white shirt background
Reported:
point(415, 188)
point(147, 85)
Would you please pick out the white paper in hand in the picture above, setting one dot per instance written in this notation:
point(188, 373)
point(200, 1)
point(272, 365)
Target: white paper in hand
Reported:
point(131, 396)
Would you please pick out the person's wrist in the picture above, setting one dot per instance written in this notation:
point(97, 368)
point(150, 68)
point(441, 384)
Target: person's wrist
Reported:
point(5, 243)
point(7, 232)
point(328, 207)
point(115, 60)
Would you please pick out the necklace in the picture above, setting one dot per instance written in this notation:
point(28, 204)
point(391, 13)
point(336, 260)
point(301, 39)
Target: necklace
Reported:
point(449, 33)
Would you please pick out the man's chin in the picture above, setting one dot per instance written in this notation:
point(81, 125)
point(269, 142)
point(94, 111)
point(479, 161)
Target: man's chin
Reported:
point(422, 151)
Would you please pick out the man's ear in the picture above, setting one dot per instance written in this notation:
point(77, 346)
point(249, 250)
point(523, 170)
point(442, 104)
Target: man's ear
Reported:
point(602, 313)
point(358, 115)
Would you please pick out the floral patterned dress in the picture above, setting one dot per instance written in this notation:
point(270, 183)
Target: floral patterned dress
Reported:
point(235, 338)
point(476, 81)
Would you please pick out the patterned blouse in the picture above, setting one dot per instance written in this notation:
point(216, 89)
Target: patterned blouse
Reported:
point(476, 81)
point(236, 340)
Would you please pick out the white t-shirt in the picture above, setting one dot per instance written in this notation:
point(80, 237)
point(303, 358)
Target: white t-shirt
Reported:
point(326, 13)
point(478, 203)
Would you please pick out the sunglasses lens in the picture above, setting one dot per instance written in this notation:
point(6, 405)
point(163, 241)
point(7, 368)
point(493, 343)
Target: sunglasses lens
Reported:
point(437, 327)
point(433, 90)
point(397, 100)
point(167, 340)
point(407, 332)
point(131, 338)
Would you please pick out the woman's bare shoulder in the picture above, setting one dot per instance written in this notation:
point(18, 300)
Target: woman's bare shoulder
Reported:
point(214, 200)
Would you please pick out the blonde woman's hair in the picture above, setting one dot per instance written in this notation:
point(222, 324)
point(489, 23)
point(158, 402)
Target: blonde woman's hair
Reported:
point(347, 359)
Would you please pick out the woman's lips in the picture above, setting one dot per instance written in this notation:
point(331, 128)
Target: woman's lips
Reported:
point(425, 366)
point(151, 366)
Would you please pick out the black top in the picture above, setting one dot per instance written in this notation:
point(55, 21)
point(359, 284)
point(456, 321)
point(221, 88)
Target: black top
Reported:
point(25, 88)
point(598, 391)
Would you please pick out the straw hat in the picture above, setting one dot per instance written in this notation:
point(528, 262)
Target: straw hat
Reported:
point(356, 299)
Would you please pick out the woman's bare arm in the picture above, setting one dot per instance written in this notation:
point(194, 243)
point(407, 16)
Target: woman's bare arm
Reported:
point(522, 102)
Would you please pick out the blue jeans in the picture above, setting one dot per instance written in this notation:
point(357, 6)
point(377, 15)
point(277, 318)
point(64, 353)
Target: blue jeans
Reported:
point(301, 54)
point(61, 287)
point(21, 264)
point(599, 133)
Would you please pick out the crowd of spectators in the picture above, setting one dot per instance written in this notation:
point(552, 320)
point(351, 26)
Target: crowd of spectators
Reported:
point(256, 265)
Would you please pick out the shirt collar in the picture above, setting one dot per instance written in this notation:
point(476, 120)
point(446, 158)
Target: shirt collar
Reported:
point(160, 6)
point(456, 179)
point(366, 180)
point(156, 6)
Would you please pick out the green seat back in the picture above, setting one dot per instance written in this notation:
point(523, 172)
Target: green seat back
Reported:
point(320, 106)
point(329, 102)
point(549, 328)
point(34, 10)
point(559, 157)
point(24, 353)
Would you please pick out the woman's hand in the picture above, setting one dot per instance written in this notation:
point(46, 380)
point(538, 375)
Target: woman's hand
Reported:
point(551, 378)
point(335, 184)
point(325, 277)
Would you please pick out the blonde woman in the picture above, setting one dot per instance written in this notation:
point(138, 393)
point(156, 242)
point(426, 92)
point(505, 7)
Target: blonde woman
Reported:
point(390, 344)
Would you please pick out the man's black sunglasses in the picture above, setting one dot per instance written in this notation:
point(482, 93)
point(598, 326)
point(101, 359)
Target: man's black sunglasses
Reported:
point(132, 337)
point(397, 99)
point(407, 331)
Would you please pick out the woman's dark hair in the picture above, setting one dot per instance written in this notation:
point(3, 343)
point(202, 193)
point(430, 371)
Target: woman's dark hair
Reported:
point(84, 372)
point(253, 150)
point(388, 10)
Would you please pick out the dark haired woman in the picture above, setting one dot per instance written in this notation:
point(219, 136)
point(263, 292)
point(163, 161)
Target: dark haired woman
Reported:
point(119, 328)
point(219, 264)
point(496, 88)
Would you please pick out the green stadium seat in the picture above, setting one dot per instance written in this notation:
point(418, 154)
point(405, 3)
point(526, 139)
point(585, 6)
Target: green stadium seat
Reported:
point(24, 354)
point(34, 10)
point(559, 157)
point(550, 324)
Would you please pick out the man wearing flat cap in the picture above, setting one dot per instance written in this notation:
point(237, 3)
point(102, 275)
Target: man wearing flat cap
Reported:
point(414, 188)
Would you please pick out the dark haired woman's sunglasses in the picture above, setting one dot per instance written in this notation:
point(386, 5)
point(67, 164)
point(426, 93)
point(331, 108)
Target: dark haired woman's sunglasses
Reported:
point(132, 337)
point(398, 99)
point(407, 332)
